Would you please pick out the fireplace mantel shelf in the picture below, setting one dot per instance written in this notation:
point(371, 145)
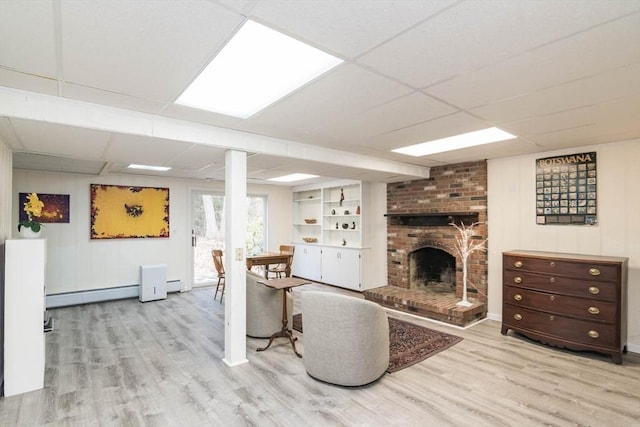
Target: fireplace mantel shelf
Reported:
point(432, 218)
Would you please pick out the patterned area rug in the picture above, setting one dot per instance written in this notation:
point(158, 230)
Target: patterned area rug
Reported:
point(408, 343)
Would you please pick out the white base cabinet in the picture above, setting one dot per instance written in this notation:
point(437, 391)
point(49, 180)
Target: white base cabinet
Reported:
point(338, 266)
point(341, 267)
point(307, 262)
point(24, 288)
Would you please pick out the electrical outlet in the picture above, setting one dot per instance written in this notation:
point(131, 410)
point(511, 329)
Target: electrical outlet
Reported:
point(239, 254)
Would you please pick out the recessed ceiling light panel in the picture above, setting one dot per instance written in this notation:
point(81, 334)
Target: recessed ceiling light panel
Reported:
point(293, 177)
point(456, 142)
point(149, 168)
point(255, 69)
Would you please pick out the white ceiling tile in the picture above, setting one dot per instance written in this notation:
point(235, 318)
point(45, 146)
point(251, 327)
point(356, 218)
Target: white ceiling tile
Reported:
point(474, 34)
point(243, 7)
point(619, 112)
point(586, 135)
point(56, 164)
point(30, 82)
point(605, 47)
point(607, 122)
point(145, 150)
point(200, 157)
point(341, 93)
point(31, 23)
point(603, 87)
point(112, 99)
point(148, 49)
point(495, 150)
point(428, 131)
point(348, 28)
point(406, 111)
point(67, 141)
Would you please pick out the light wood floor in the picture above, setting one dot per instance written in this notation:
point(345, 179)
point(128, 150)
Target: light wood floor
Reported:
point(160, 364)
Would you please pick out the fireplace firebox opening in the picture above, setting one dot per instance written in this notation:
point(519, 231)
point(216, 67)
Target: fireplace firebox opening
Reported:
point(432, 269)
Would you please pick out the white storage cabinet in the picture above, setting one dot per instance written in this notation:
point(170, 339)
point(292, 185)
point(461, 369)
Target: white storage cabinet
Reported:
point(24, 307)
point(307, 262)
point(341, 267)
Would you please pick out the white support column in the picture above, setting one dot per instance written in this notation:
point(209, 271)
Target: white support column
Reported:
point(235, 295)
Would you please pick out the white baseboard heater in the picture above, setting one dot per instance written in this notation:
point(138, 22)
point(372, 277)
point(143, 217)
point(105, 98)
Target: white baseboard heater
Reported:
point(99, 295)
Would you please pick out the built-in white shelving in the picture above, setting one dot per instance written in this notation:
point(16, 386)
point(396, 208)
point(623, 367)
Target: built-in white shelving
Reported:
point(339, 214)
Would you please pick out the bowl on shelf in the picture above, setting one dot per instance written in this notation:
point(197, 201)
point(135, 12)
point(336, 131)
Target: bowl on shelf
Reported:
point(310, 220)
point(310, 239)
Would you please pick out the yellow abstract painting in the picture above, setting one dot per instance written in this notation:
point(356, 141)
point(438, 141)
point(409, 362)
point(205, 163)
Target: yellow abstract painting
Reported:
point(119, 212)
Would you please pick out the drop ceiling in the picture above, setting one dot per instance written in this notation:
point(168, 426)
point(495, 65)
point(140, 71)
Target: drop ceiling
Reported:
point(558, 74)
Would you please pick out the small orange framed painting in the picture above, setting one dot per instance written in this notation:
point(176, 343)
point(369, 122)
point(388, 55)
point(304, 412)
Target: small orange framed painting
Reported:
point(121, 212)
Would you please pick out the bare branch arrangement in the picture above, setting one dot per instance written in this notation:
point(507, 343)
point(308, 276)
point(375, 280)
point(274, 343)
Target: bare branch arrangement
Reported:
point(466, 245)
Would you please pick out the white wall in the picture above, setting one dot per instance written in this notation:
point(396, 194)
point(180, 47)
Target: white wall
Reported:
point(75, 262)
point(512, 225)
point(6, 176)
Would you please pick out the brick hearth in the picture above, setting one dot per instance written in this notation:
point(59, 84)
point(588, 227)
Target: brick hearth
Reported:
point(437, 306)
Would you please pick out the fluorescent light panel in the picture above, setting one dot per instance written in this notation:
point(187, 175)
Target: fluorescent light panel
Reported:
point(255, 69)
point(293, 177)
point(149, 168)
point(456, 142)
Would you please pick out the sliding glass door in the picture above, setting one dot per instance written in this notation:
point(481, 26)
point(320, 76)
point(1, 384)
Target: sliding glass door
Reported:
point(207, 231)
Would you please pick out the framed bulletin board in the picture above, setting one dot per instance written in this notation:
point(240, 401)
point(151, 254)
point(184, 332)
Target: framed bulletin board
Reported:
point(566, 189)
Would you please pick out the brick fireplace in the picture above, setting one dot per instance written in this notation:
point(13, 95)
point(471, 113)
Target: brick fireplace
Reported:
point(424, 270)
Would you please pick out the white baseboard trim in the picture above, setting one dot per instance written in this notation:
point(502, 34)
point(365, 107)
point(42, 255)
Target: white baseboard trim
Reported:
point(99, 295)
point(633, 348)
point(494, 316)
point(233, 365)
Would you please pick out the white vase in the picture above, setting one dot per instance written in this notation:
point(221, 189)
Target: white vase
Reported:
point(28, 233)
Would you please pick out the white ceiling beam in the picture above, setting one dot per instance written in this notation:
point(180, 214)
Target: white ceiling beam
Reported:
point(51, 109)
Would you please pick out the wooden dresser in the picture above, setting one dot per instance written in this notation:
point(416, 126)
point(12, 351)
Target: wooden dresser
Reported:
point(566, 300)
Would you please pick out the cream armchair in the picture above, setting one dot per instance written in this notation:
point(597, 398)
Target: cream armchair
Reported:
point(264, 308)
point(346, 339)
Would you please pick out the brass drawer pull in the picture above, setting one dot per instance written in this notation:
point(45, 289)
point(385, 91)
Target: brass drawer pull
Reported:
point(594, 334)
point(594, 310)
point(594, 272)
point(594, 290)
point(517, 316)
point(518, 264)
point(552, 264)
point(552, 280)
point(551, 318)
point(517, 297)
point(552, 297)
point(517, 279)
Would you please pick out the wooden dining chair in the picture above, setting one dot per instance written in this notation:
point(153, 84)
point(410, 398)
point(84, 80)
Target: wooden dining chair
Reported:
point(280, 270)
point(219, 265)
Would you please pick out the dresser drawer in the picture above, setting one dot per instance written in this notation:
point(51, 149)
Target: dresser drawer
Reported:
point(579, 331)
point(578, 270)
point(581, 308)
point(561, 285)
